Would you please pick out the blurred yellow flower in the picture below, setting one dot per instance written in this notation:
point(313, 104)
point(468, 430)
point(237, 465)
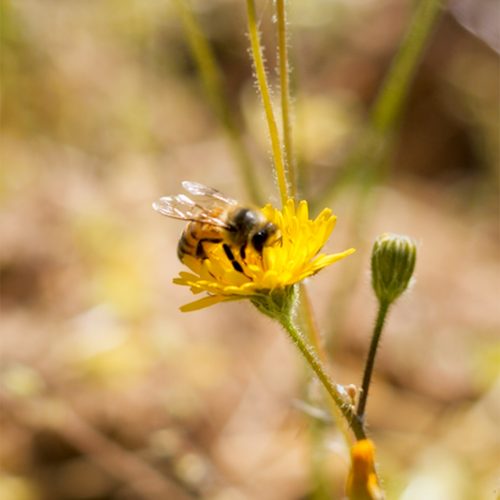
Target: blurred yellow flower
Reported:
point(294, 257)
point(362, 483)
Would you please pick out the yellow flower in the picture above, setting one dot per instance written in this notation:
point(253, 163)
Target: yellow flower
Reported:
point(362, 483)
point(294, 257)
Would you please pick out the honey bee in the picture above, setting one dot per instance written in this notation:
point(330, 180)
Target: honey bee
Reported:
point(217, 219)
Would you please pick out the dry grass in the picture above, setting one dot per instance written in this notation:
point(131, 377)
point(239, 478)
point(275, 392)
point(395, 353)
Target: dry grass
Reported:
point(106, 390)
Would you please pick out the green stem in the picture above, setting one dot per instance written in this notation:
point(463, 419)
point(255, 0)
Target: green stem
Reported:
point(260, 72)
point(212, 81)
point(311, 326)
point(320, 477)
point(343, 406)
point(314, 338)
point(388, 106)
point(285, 94)
point(366, 163)
point(370, 360)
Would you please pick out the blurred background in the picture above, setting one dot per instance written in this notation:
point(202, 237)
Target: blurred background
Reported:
point(107, 391)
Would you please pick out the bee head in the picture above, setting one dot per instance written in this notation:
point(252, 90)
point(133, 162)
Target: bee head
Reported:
point(265, 235)
point(250, 226)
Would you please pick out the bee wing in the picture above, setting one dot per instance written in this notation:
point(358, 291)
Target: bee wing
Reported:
point(184, 208)
point(197, 189)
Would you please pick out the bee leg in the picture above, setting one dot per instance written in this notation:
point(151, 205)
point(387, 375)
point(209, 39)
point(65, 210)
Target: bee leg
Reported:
point(200, 250)
point(243, 251)
point(230, 255)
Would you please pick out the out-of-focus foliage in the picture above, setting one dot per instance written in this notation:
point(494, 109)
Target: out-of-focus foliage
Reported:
point(106, 390)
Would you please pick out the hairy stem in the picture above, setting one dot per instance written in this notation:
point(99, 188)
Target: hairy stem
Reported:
point(260, 71)
point(314, 338)
point(284, 71)
point(341, 403)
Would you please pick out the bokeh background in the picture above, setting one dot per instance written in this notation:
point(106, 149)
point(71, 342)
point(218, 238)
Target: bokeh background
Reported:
point(107, 391)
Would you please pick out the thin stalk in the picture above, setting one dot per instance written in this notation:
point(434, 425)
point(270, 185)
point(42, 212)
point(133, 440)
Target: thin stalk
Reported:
point(367, 160)
point(212, 81)
point(370, 360)
point(343, 407)
point(320, 476)
point(284, 71)
point(260, 71)
point(314, 337)
point(310, 323)
point(387, 108)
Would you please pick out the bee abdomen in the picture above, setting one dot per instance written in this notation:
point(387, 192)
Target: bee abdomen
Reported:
point(185, 246)
point(193, 239)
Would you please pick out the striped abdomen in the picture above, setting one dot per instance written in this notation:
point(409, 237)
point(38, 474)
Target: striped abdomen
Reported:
point(195, 236)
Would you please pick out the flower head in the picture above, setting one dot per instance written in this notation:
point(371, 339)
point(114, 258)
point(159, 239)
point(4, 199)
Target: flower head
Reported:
point(294, 256)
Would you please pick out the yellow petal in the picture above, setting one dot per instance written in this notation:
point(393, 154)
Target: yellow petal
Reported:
point(208, 301)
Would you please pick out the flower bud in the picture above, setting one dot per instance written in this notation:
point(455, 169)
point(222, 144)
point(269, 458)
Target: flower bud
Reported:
point(362, 482)
point(393, 262)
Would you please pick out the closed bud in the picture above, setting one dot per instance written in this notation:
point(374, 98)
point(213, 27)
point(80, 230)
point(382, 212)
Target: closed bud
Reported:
point(393, 263)
point(362, 482)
